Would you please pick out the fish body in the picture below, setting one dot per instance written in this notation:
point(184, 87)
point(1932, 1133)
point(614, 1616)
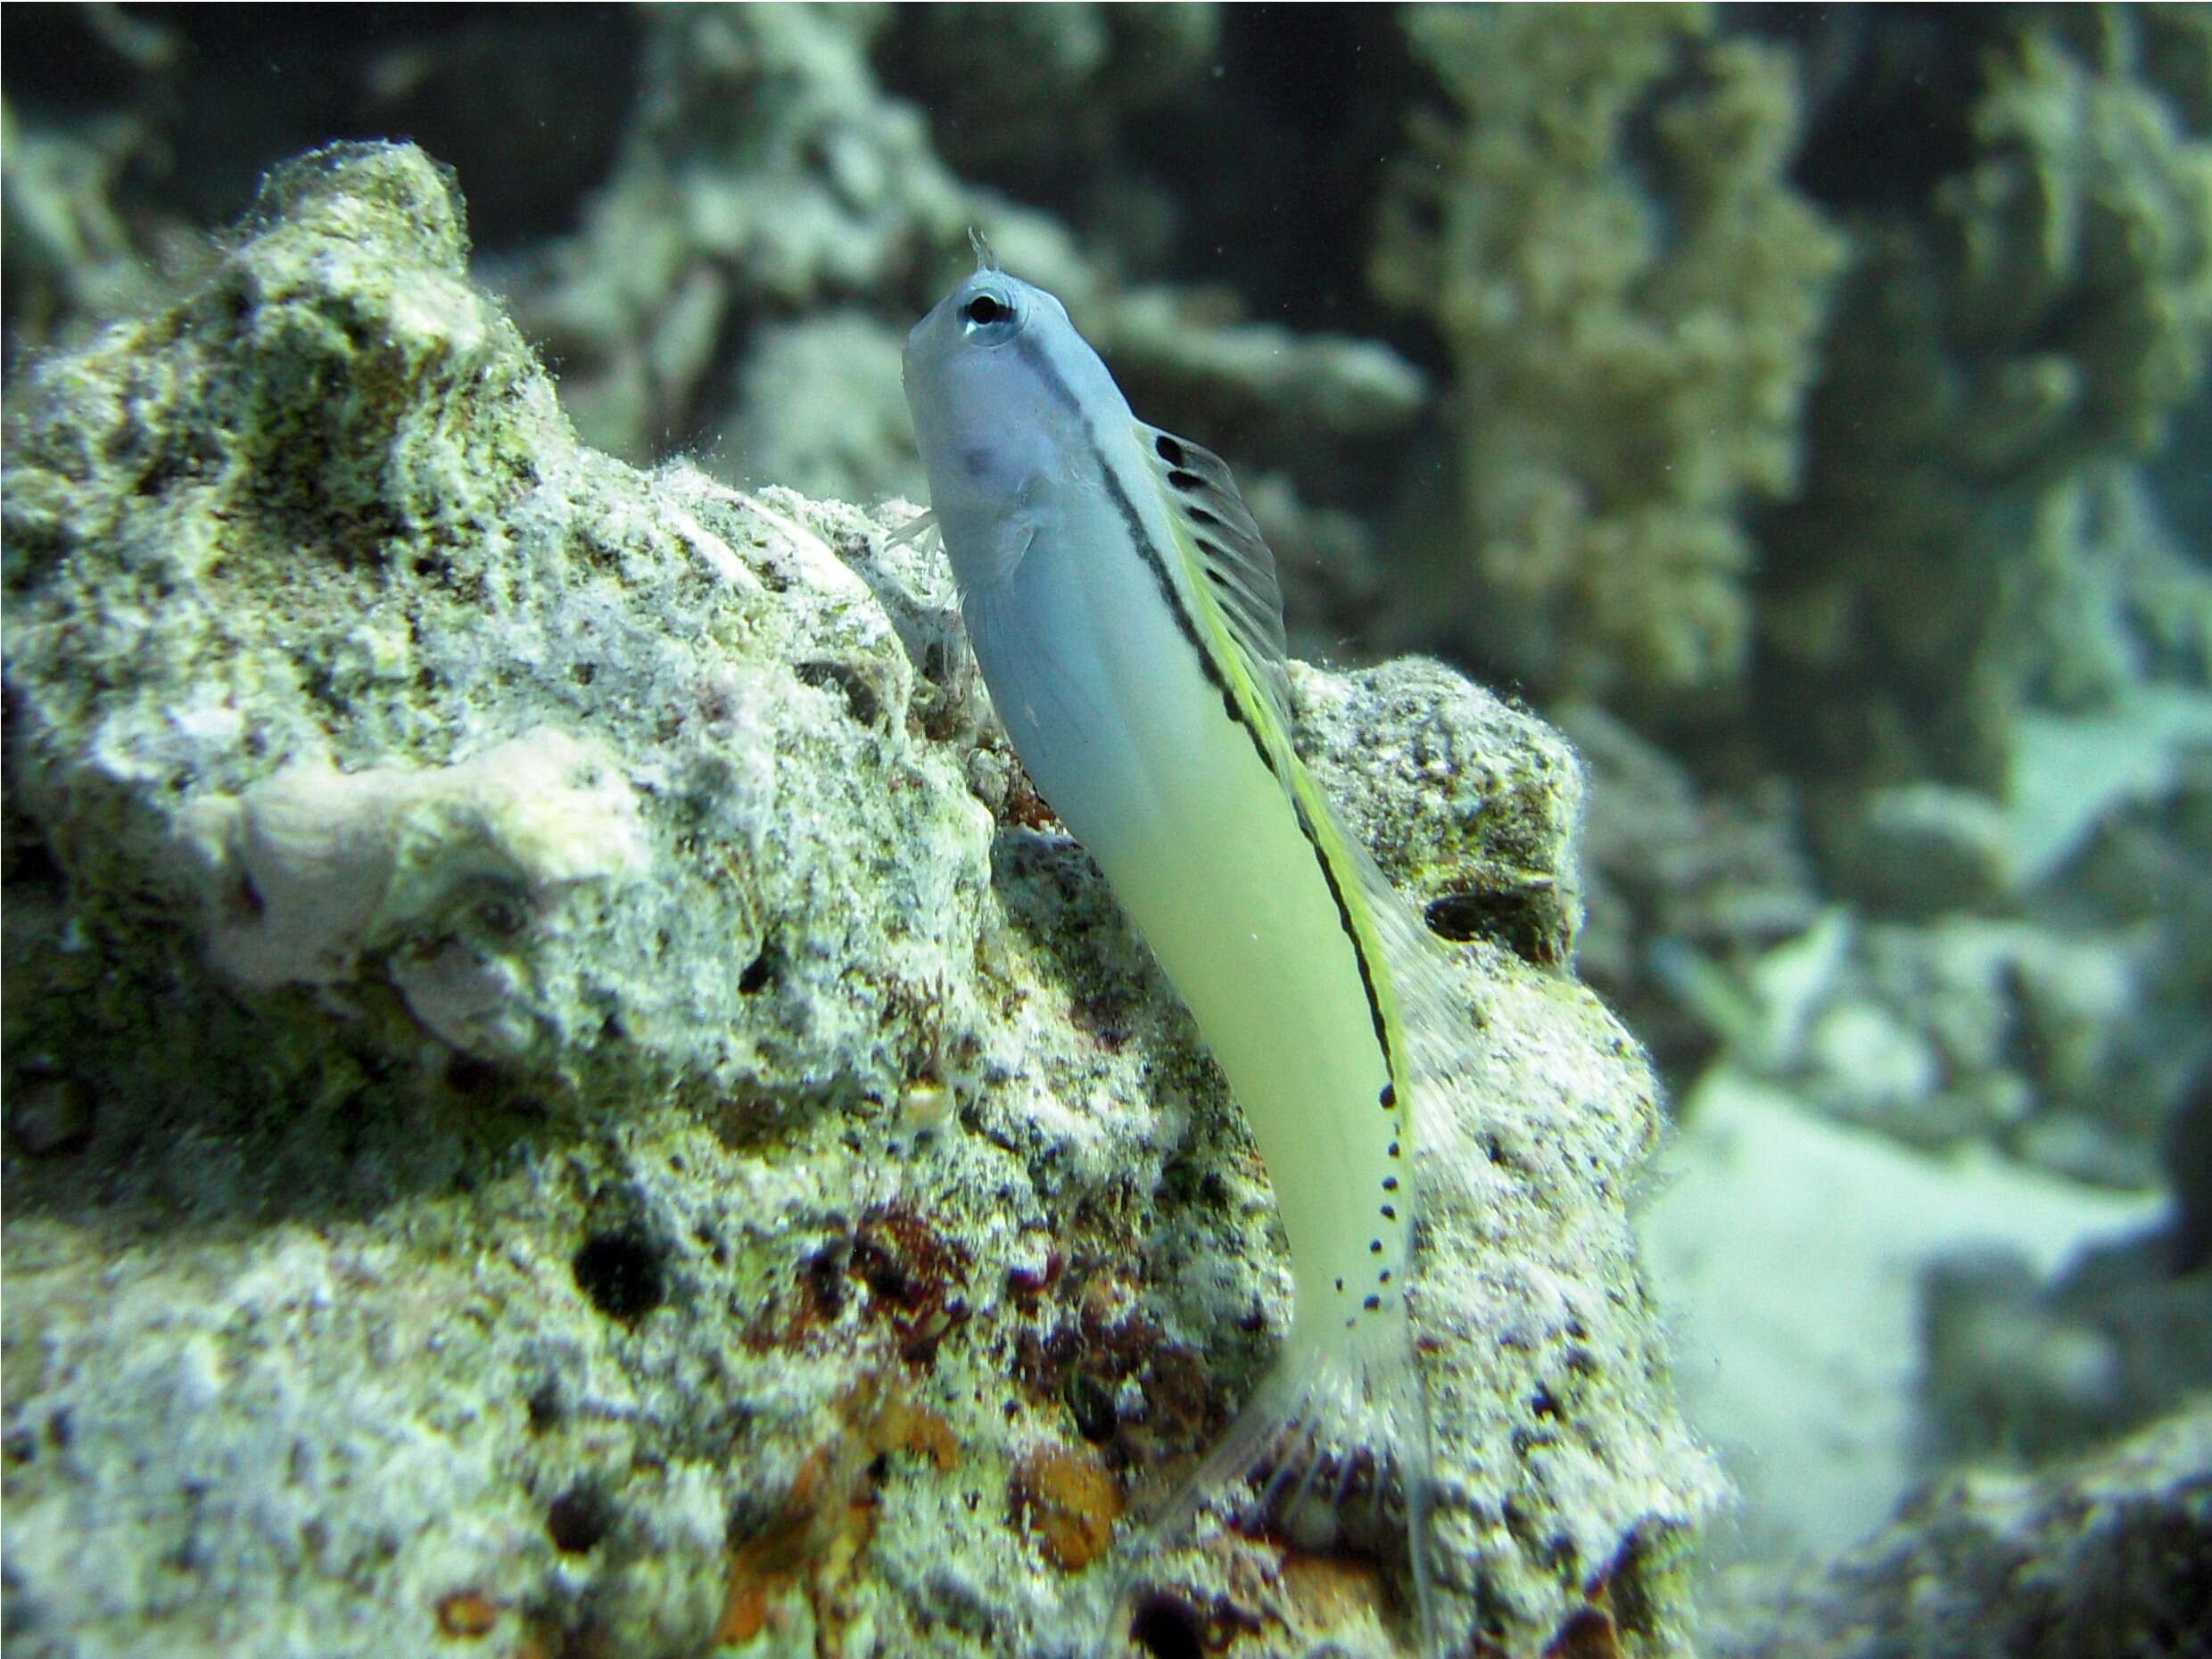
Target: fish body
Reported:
point(1124, 613)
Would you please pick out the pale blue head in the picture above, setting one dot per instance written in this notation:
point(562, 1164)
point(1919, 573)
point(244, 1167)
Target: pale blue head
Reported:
point(1009, 404)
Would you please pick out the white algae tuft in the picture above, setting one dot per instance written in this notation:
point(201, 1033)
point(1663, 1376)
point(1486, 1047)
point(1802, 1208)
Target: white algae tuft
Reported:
point(564, 1091)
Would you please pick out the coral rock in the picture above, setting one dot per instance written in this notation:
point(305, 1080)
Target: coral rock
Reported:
point(504, 907)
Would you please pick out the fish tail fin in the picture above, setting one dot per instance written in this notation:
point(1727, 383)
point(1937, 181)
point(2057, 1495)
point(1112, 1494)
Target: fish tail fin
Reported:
point(1329, 1422)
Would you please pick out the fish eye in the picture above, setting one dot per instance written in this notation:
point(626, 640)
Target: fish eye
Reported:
point(989, 318)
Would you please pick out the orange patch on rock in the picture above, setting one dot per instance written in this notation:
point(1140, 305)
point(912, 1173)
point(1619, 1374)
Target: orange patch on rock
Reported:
point(1330, 1590)
point(468, 1614)
point(1065, 1500)
point(828, 1518)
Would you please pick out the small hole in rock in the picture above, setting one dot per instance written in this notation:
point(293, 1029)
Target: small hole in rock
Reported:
point(501, 915)
point(35, 861)
point(825, 1277)
point(577, 1520)
point(1459, 917)
point(1092, 1404)
point(1587, 1634)
point(861, 701)
point(1515, 920)
point(621, 1272)
point(758, 975)
point(545, 1408)
point(1167, 1629)
point(472, 1078)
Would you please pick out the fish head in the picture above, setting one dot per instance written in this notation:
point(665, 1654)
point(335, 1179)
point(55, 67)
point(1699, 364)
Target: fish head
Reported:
point(1004, 394)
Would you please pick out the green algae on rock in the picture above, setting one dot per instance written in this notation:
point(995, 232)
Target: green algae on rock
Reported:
point(560, 1086)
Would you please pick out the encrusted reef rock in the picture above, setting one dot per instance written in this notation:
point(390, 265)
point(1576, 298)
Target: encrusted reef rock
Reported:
point(2003, 347)
point(2101, 1559)
point(761, 170)
point(563, 1094)
point(1631, 292)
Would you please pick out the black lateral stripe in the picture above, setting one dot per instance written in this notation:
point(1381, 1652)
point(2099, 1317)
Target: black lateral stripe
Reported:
point(1033, 356)
point(1359, 954)
point(1031, 353)
point(1027, 348)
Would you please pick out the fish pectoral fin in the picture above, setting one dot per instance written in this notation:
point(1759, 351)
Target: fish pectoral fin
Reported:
point(995, 552)
point(994, 627)
point(911, 530)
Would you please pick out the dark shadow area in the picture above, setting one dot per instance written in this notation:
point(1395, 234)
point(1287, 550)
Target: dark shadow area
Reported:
point(527, 102)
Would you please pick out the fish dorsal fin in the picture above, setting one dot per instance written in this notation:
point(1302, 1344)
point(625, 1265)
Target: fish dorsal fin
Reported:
point(1228, 561)
point(1232, 569)
point(1233, 572)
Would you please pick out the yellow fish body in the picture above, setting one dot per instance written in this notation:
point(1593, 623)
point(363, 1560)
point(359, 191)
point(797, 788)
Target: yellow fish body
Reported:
point(1125, 615)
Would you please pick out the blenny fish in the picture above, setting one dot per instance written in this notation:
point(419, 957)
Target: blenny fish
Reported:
point(1127, 616)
